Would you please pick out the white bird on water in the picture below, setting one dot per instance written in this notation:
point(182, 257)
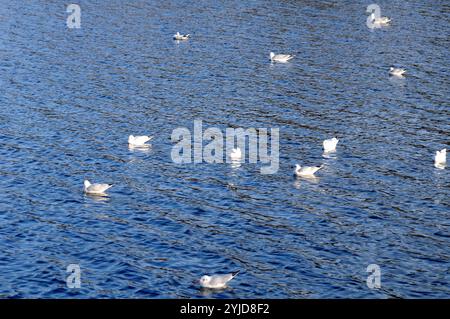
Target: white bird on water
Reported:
point(381, 21)
point(306, 171)
point(95, 189)
point(330, 145)
point(139, 140)
point(179, 36)
point(440, 158)
point(280, 57)
point(236, 154)
point(216, 281)
point(398, 72)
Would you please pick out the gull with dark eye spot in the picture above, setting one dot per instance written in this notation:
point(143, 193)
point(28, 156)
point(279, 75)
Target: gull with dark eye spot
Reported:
point(138, 140)
point(380, 21)
point(280, 57)
point(216, 281)
point(181, 37)
point(96, 189)
point(398, 72)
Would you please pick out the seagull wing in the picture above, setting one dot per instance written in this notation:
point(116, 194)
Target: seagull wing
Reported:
point(309, 170)
point(283, 57)
point(142, 139)
point(98, 188)
point(221, 280)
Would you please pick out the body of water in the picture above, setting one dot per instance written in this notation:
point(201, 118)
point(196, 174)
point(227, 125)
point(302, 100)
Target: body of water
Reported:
point(69, 98)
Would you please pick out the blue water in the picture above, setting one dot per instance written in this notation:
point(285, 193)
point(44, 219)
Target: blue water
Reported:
point(70, 97)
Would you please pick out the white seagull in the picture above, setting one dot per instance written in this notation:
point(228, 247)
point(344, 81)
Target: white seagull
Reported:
point(236, 154)
point(440, 158)
point(381, 21)
point(306, 171)
point(280, 57)
point(216, 281)
point(179, 36)
point(95, 189)
point(330, 145)
point(398, 72)
point(139, 140)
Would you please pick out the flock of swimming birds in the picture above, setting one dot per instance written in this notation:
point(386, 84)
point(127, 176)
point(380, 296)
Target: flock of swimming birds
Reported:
point(219, 281)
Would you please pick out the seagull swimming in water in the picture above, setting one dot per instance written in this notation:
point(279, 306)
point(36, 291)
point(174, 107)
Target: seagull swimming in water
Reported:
point(306, 171)
point(330, 145)
point(179, 36)
point(381, 21)
point(139, 140)
point(236, 154)
point(440, 158)
point(398, 72)
point(95, 189)
point(216, 281)
point(280, 57)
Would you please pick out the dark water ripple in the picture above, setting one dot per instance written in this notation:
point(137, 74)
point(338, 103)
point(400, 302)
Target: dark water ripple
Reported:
point(69, 98)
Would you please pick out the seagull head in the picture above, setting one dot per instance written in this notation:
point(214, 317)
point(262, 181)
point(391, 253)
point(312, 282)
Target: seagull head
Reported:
point(205, 280)
point(87, 183)
point(272, 55)
point(130, 138)
point(441, 152)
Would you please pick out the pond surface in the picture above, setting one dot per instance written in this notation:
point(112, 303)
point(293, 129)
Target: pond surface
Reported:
point(69, 98)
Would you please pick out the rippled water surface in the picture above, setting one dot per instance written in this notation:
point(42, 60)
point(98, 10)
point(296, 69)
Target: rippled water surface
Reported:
point(69, 99)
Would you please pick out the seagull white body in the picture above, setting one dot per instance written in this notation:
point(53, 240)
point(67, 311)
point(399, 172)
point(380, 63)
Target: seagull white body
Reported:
point(139, 140)
point(381, 21)
point(398, 72)
point(95, 189)
point(280, 57)
point(216, 281)
point(236, 154)
point(330, 145)
point(441, 157)
point(306, 171)
point(179, 36)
